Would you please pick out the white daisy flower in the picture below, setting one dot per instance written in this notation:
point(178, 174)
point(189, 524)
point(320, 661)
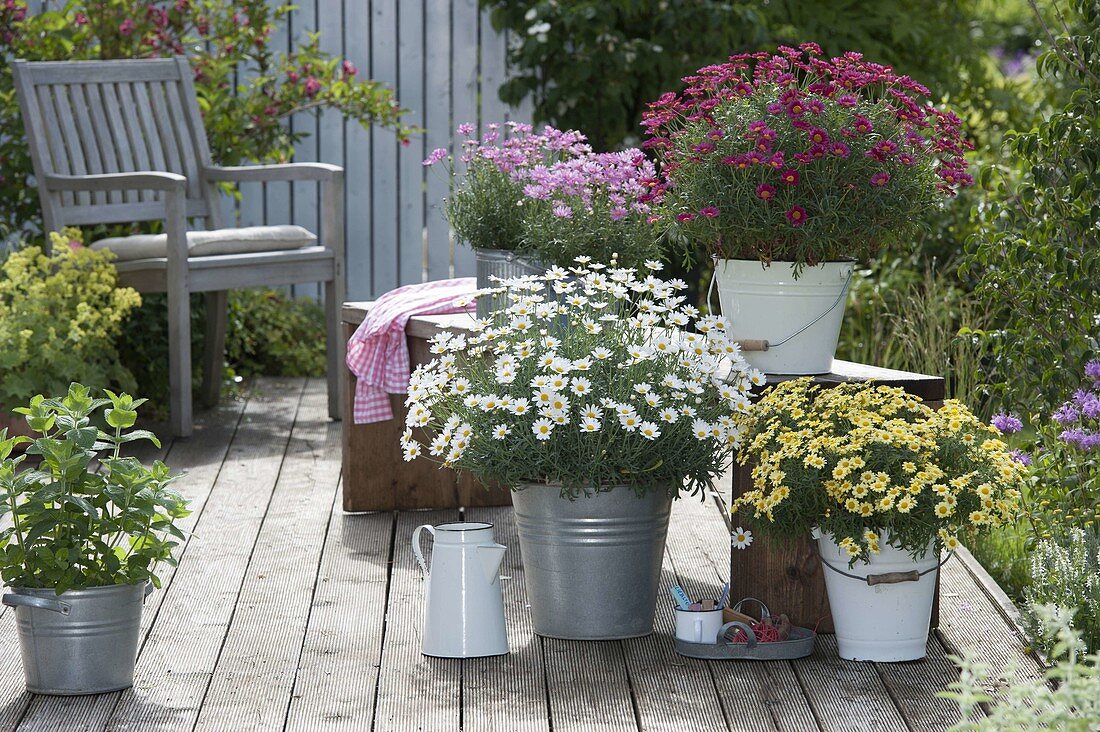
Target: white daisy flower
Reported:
point(520, 406)
point(591, 411)
point(439, 445)
point(460, 386)
point(412, 451)
point(559, 402)
point(653, 400)
point(669, 415)
point(540, 381)
point(630, 422)
point(649, 430)
point(654, 265)
point(601, 354)
point(580, 385)
point(701, 429)
point(588, 424)
point(558, 383)
point(544, 396)
point(642, 387)
point(582, 364)
point(542, 428)
point(742, 538)
point(521, 324)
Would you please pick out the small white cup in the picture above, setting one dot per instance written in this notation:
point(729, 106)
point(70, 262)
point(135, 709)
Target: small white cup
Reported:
point(698, 626)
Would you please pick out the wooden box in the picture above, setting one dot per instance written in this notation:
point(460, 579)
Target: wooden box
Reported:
point(375, 475)
point(787, 575)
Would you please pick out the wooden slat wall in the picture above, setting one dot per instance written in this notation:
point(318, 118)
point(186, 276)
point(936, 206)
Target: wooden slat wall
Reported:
point(445, 62)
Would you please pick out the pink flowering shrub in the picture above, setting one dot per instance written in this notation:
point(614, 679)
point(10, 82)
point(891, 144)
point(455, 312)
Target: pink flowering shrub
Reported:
point(549, 195)
point(247, 90)
point(796, 157)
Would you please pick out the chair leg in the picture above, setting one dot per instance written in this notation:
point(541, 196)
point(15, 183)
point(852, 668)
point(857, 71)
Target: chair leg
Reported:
point(334, 347)
point(214, 346)
point(179, 360)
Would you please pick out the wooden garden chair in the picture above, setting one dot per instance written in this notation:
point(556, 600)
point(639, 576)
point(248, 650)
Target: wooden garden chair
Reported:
point(123, 141)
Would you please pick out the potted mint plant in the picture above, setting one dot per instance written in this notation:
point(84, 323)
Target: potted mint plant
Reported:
point(597, 405)
point(786, 168)
point(89, 528)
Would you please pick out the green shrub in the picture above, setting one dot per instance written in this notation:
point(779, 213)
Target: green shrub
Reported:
point(1066, 697)
point(1065, 571)
point(60, 315)
point(1038, 262)
point(267, 333)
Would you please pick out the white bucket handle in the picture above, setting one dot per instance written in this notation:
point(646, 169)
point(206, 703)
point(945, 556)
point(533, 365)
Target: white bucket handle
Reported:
point(416, 546)
point(768, 345)
point(889, 578)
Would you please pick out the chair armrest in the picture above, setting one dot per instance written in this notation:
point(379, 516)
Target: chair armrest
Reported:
point(152, 181)
point(280, 172)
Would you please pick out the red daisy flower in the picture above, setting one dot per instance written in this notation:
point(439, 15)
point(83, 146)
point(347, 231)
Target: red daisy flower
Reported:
point(796, 216)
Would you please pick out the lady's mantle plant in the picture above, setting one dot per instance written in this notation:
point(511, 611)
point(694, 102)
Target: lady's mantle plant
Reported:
point(76, 525)
point(60, 315)
point(596, 384)
point(857, 461)
point(548, 195)
point(795, 157)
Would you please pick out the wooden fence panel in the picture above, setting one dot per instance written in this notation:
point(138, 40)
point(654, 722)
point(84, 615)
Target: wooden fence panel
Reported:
point(445, 62)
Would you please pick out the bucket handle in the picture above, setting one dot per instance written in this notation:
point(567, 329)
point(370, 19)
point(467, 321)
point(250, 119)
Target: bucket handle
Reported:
point(889, 578)
point(416, 546)
point(42, 603)
point(756, 344)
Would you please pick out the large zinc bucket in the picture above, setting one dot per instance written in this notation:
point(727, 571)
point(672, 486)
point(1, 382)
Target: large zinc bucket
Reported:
point(886, 617)
point(799, 317)
point(592, 565)
point(503, 264)
point(79, 642)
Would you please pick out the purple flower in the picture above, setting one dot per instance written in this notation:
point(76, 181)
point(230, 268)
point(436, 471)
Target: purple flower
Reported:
point(465, 129)
point(312, 86)
point(1065, 414)
point(878, 180)
point(1007, 423)
point(618, 213)
point(1021, 457)
point(435, 156)
point(562, 211)
point(1092, 371)
point(710, 212)
point(847, 100)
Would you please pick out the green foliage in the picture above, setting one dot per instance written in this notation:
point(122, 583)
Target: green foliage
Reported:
point(225, 40)
point(1065, 571)
point(60, 315)
point(74, 524)
point(1038, 262)
point(274, 335)
point(924, 322)
point(1066, 697)
point(593, 64)
point(267, 334)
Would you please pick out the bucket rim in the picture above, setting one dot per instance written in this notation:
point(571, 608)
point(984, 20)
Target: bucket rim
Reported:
point(97, 590)
point(460, 526)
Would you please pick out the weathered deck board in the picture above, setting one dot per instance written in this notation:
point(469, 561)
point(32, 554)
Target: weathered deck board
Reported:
point(507, 694)
point(251, 688)
point(181, 652)
point(341, 655)
point(414, 692)
point(287, 614)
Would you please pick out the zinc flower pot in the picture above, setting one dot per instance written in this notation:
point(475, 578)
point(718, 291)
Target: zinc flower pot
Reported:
point(881, 606)
point(504, 264)
point(592, 565)
point(800, 317)
point(81, 641)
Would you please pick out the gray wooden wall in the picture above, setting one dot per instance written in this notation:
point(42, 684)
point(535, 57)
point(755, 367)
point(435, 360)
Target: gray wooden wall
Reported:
point(445, 62)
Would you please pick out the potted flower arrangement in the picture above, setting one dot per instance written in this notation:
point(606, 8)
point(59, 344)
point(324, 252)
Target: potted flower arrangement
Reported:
point(597, 405)
point(84, 542)
point(785, 168)
point(529, 201)
point(60, 314)
point(884, 483)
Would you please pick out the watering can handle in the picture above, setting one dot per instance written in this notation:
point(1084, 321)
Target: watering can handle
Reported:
point(42, 603)
point(416, 546)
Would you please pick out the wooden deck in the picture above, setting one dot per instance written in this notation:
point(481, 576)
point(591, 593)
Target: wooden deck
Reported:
point(286, 613)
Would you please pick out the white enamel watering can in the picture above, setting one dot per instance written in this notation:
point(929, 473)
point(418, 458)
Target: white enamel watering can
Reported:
point(463, 606)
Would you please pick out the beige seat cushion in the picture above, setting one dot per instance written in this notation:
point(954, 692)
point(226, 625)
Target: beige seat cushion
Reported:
point(206, 243)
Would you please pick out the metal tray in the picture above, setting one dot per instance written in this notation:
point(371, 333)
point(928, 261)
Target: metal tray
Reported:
point(799, 645)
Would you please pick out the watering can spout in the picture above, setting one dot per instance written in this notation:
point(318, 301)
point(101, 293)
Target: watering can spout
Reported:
point(491, 556)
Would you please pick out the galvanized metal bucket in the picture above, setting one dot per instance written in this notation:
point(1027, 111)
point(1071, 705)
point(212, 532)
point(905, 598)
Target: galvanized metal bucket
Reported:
point(592, 565)
point(504, 264)
point(79, 642)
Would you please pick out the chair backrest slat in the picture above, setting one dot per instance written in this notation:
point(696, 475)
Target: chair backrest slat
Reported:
point(92, 117)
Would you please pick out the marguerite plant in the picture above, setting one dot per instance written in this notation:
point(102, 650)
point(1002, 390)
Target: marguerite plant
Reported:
point(592, 377)
point(859, 461)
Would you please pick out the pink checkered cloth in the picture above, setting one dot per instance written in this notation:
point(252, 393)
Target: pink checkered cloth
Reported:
point(378, 354)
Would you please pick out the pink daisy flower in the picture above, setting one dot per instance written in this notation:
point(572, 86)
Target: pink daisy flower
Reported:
point(796, 216)
point(789, 176)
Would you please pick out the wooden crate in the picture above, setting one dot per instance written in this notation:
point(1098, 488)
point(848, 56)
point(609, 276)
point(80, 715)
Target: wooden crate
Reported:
point(375, 475)
point(787, 575)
